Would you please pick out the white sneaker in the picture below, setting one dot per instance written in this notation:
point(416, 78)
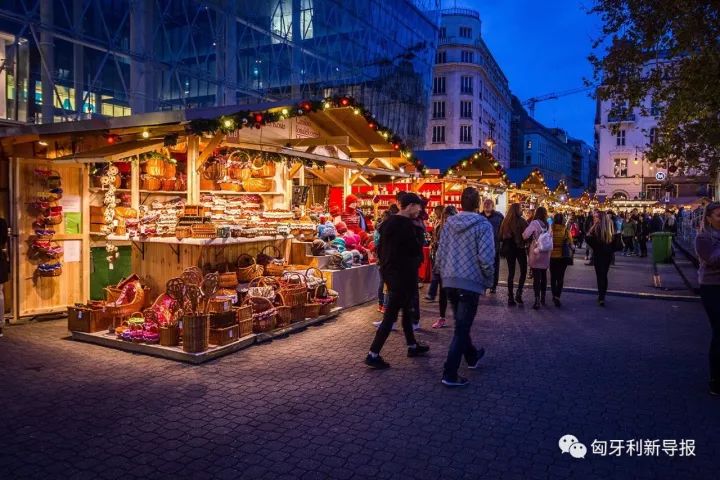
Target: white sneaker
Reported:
point(377, 325)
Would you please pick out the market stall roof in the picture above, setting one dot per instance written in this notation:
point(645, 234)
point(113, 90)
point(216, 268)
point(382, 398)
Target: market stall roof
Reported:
point(475, 165)
point(535, 183)
point(345, 128)
point(112, 153)
point(561, 191)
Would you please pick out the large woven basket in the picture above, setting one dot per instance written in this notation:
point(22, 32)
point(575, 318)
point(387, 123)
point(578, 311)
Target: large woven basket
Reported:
point(263, 314)
point(293, 289)
point(196, 333)
point(258, 185)
point(247, 269)
point(312, 310)
point(244, 319)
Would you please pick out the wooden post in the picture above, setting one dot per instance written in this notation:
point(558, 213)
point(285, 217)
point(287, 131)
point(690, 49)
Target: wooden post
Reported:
point(193, 180)
point(85, 229)
point(347, 188)
point(135, 183)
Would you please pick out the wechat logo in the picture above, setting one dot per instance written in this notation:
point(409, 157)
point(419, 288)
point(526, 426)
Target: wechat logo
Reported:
point(570, 444)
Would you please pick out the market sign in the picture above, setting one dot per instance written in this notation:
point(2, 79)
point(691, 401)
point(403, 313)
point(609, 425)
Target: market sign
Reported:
point(660, 176)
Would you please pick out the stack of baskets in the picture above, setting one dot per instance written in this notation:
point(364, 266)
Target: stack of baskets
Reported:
point(294, 294)
point(263, 313)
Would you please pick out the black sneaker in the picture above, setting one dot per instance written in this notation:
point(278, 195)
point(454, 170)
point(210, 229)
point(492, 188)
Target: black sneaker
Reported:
point(418, 351)
point(715, 389)
point(456, 382)
point(376, 362)
point(480, 355)
point(556, 301)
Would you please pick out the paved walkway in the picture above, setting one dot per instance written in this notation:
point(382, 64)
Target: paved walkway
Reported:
point(305, 406)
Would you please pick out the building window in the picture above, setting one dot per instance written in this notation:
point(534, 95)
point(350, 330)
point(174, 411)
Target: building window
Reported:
point(620, 167)
point(439, 86)
point(466, 56)
point(465, 133)
point(529, 145)
point(465, 109)
point(653, 136)
point(438, 135)
point(655, 109)
point(466, 84)
point(441, 57)
point(443, 32)
point(438, 110)
point(465, 32)
point(620, 138)
point(480, 88)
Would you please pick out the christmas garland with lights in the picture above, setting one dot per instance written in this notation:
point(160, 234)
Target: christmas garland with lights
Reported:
point(476, 159)
point(535, 176)
point(255, 119)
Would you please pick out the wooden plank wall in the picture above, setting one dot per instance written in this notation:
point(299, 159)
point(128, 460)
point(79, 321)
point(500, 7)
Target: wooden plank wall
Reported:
point(42, 295)
point(161, 262)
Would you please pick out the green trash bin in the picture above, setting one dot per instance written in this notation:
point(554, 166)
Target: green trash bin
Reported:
point(661, 247)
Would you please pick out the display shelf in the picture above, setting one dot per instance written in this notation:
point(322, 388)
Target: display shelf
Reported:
point(151, 192)
point(104, 190)
point(199, 241)
point(227, 192)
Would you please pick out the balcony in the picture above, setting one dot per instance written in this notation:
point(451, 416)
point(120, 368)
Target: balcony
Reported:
point(621, 117)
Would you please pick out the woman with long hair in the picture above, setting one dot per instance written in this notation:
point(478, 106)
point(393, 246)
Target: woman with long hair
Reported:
point(539, 260)
point(447, 213)
point(600, 239)
point(707, 246)
point(513, 248)
point(561, 257)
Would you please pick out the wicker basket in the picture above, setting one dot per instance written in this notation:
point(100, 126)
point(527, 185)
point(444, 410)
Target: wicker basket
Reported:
point(196, 331)
point(247, 269)
point(219, 304)
point(293, 289)
point(274, 265)
point(151, 183)
point(228, 279)
point(225, 335)
point(297, 313)
point(327, 307)
point(258, 185)
point(244, 320)
point(170, 336)
point(169, 170)
point(203, 230)
point(50, 273)
point(312, 310)
point(230, 186)
point(263, 314)
point(168, 184)
point(154, 167)
point(262, 168)
point(183, 232)
point(284, 316)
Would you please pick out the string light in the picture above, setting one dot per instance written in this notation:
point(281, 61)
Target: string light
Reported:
point(228, 123)
point(145, 134)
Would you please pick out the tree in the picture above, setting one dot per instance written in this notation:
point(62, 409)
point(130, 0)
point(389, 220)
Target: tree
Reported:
point(669, 51)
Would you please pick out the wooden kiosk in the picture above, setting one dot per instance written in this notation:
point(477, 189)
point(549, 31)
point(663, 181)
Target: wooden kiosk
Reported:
point(334, 141)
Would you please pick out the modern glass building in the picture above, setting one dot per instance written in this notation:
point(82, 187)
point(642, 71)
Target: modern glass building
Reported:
point(62, 60)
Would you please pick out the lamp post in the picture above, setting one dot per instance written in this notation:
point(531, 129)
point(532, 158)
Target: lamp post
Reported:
point(642, 173)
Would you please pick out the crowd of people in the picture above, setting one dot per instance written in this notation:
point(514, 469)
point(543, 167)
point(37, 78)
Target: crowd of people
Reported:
point(466, 248)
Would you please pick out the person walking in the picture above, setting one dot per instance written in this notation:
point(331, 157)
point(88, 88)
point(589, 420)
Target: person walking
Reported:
point(707, 246)
point(513, 246)
point(628, 235)
point(465, 255)
point(436, 220)
point(643, 233)
point(590, 220)
point(600, 239)
point(539, 258)
point(4, 269)
point(400, 254)
point(447, 213)
point(495, 218)
point(561, 257)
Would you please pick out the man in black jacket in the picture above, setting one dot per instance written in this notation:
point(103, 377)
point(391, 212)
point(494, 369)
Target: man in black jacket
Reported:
point(495, 219)
point(400, 254)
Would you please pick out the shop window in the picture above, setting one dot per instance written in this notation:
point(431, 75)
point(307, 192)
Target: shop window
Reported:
point(620, 167)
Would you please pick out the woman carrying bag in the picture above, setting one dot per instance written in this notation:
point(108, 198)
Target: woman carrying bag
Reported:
point(540, 250)
point(447, 213)
point(561, 257)
point(513, 249)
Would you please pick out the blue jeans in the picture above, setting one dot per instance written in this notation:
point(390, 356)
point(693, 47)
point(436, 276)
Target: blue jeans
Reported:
point(464, 305)
point(434, 284)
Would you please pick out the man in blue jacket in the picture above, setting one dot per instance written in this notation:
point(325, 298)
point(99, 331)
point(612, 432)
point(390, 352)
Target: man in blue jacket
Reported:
point(466, 256)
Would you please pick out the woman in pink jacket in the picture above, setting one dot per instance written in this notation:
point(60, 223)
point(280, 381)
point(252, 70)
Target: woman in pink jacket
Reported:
point(538, 261)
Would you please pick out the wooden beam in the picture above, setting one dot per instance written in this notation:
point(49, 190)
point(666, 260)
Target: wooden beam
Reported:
point(321, 175)
point(211, 146)
point(365, 180)
point(343, 127)
point(318, 141)
point(294, 169)
point(354, 177)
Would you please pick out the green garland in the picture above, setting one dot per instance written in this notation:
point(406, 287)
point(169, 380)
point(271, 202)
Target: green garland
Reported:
point(252, 119)
point(477, 158)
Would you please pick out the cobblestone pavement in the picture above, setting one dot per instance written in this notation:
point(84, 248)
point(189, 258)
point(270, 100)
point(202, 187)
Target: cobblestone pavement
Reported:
point(305, 406)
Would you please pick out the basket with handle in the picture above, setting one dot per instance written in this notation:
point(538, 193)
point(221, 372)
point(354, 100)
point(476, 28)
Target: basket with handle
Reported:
point(264, 287)
point(247, 269)
point(262, 168)
point(263, 313)
point(293, 289)
point(312, 310)
point(274, 264)
point(315, 278)
point(228, 278)
point(284, 313)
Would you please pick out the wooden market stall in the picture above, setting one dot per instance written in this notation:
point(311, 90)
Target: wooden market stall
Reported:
point(532, 191)
point(481, 170)
point(123, 179)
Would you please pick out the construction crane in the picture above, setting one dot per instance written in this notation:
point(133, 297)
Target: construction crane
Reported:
point(532, 101)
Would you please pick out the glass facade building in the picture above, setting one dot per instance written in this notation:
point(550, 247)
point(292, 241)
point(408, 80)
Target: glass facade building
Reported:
point(62, 60)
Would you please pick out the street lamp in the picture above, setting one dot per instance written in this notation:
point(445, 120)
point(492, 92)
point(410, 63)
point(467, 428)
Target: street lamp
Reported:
point(642, 173)
point(490, 144)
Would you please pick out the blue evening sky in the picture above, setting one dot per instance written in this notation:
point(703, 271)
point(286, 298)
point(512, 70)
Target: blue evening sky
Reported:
point(542, 47)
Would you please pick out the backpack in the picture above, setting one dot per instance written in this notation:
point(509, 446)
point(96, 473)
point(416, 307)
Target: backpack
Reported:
point(544, 241)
